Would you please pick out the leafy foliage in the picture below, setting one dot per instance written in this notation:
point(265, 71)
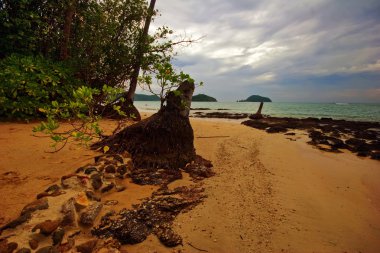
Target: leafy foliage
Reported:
point(163, 79)
point(29, 83)
point(80, 112)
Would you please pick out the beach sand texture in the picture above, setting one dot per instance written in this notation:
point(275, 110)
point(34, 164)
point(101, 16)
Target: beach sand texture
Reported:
point(270, 194)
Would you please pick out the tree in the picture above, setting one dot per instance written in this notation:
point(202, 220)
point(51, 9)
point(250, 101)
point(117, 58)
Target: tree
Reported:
point(164, 140)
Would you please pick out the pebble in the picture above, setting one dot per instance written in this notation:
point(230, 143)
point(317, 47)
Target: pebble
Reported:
point(88, 246)
point(57, 236)
point(33, 244)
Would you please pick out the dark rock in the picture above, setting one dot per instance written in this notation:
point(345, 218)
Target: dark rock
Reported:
point(355, 142)
point(89, 170)
point(96, 181)
point(256, 124)
point(118, 158)
point(47, 227)
point(292, 134)
point(92, 196)
point(122, 169)
point(256, 116)
point(276, 129)
point(169, 238)
point(363, 153)
point(39, 204)
point(18, 221)
point(33, 244)
point(336, 143)
point(107, 188)
point(53, 188)
point(154, 176)
point(79, 170)
point(87, 247)
point(65, 247)
point(24, 250)
point(367, 134)
point(110, 169)
point(120, 188)
point(48, 249)
point(6, 247)
point(68, 211)
point(375, 155)
point(57, 236)
point(89, 215)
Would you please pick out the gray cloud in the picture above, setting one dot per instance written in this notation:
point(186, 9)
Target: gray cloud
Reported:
point(274, 47)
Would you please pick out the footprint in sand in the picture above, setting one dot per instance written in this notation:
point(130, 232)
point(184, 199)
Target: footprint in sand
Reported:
point(12, 177)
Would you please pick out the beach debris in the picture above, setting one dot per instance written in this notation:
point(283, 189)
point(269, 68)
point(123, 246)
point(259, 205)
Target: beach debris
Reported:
point(199, 169)
point(154, 215)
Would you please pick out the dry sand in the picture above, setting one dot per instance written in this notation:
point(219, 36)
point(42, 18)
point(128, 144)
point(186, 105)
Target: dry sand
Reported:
point(270, 194)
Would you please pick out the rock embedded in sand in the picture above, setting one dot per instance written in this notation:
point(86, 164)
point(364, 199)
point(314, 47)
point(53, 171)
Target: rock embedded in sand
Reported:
point(122, 169)
point(89, 215)
point(57, 236)
point(81, 201)
point(68, 211)
point(6, 247)
point(110, 169)
point(39, 204)
point(47, 227)
point(48, 249)
point(107, 188)
point(33, 243)
point(96, 181)
point(18, 221)
point(87, 247)
point(24, 250)
point(169, 238)
point(92, 196)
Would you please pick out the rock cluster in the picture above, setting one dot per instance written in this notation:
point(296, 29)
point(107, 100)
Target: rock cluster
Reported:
point(362, 138)
point(61, 216)
point(63, 211)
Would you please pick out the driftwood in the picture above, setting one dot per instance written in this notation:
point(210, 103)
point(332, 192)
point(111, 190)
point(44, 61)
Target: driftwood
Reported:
point(164, 140)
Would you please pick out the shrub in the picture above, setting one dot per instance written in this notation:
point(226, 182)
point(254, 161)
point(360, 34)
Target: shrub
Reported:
point(28, 83)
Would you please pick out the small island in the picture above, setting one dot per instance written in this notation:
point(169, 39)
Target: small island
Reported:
point(143, 97)
point(203, 98)
point(256, 98)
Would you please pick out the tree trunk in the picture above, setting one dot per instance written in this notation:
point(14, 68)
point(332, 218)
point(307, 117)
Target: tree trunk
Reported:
point(140, 52)
point(141, 48)
point(258, 114)
point(64, 54)
point(164, 140)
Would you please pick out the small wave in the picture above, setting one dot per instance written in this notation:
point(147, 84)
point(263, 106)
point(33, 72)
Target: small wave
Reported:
point(342, 103)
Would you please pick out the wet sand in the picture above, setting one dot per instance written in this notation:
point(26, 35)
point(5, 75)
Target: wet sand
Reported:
point(270, 194)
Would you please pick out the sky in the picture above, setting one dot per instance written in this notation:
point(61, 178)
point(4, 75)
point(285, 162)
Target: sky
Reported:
point(290, 51)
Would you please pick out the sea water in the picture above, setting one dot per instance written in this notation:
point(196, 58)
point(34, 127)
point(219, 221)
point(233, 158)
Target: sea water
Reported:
point(347, 111)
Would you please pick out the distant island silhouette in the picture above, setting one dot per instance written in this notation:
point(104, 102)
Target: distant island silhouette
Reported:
point(256, 98)
point(196, 98)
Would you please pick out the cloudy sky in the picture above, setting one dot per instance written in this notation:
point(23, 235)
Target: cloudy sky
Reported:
point(299, 50)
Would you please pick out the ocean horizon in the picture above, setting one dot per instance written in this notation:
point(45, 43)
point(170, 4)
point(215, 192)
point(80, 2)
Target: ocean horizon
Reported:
point(346, 111)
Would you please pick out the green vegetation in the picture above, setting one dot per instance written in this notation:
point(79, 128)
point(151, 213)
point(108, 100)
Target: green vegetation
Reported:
point(203, 98)
point(67, 60)
point(256, 98)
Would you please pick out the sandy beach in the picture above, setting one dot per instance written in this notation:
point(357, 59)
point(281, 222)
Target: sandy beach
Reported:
point(271, 192)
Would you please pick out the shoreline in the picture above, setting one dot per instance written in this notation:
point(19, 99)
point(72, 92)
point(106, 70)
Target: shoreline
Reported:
point(270, 193)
